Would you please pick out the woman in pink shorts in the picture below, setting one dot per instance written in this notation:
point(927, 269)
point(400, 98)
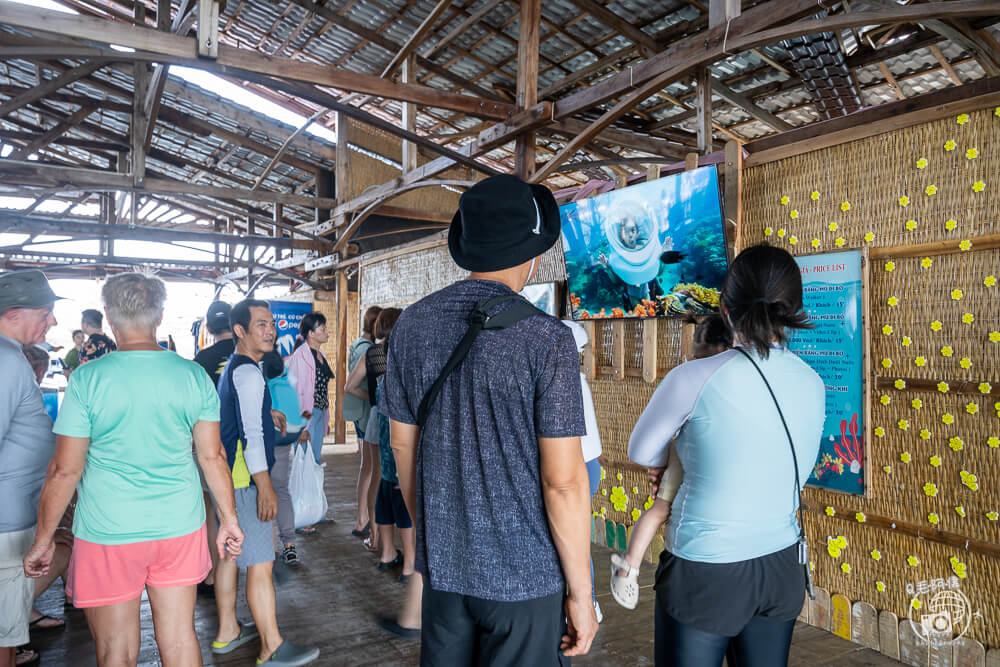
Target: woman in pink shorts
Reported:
point(124, 442)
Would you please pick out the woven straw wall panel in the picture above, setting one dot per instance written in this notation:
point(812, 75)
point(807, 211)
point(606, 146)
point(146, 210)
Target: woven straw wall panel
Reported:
point(404, 279)
point(896, 190)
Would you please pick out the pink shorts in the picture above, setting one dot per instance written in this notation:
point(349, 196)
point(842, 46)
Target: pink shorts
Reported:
point(105, 574)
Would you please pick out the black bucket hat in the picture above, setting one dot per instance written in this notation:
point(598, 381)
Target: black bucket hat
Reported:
point(502, 222)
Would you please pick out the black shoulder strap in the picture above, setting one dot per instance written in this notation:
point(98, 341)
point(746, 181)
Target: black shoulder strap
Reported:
point(479, 319)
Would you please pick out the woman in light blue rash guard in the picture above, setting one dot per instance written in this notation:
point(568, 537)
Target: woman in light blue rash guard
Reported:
point(729, 582)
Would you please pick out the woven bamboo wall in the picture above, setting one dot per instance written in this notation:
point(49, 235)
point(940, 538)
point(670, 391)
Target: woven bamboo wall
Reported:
point(326, 303)
point(932, 317)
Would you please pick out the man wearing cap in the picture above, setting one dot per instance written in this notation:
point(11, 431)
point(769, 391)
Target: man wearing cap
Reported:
point(26, 445)
point(495, 476)
point(214, 357)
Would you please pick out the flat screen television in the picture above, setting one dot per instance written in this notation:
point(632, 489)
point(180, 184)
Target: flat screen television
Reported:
point(650, 250)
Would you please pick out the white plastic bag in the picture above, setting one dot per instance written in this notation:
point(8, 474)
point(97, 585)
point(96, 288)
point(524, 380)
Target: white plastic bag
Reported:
point(305, 486)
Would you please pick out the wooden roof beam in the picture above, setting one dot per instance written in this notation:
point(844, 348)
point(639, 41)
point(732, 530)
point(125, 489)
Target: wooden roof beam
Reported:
point(959, 32)
point(470, 21)
point(60, 129)
point(620, 25)
point(748, 105)
point(50, 86)
point(417, 38)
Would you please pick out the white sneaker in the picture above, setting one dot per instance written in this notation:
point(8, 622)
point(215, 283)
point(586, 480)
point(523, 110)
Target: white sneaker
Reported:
point(597, 608)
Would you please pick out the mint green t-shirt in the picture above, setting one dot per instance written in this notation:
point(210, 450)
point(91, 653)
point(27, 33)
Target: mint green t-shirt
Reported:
point(138, 408)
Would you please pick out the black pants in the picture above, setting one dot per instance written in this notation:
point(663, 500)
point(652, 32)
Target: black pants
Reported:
point(763, 642)
point(460, 630)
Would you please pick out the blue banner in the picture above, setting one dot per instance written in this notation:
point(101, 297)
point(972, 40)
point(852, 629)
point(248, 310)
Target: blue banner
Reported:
point(831, 294)
point(287, 316)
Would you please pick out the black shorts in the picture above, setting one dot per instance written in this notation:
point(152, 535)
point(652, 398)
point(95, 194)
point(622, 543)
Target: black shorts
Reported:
point(390, 508)
point(464, 630)
point(721, 598)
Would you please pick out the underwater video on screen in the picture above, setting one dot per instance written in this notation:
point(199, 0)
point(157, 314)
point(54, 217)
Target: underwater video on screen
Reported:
point(650, 250)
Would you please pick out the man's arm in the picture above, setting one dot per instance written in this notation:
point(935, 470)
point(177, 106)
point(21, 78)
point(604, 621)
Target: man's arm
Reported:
point(63, 475)
point(249, 384)
point(212, 459)
point(566, 492)
point(404, 438)
point(354, 380)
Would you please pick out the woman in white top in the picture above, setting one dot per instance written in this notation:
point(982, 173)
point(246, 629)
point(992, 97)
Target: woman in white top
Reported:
point(730, 582)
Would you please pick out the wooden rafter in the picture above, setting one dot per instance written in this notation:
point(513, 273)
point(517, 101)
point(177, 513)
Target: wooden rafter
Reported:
point(60, 129)
point(51, 86)
point(618, 24)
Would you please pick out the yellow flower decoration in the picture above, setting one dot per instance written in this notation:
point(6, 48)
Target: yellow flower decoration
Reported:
point(958, 567)
point(793, 239)
point(880, 586)
point(963, 118)
point(968, 318)
point(930, 489)
point(930, 190)
point(990, 281)
point(869, 237)
point(922, 163)
point(845, 206)
point(995, 336)
point(915, 603)
point(935, 461)
point(946, 351)
point(636, 514)
point(893, 301)
point(985, 387)
point(619, 475)
point(887, 363)
point(833, 226)
point(936, 325)
point(925, 434)
point(993, 441)
point(978, 186)
point(965, 363)
point(879, 432)
point(887, 469)
point(841, 541)
point(972, 408)
point(912, 561)
point(911, 225)
point(969, 480)
point(884, 399)
point(960, 511)
point(781, 233)
point(793, 214)
point(768, 231)
point(845, 568)
point(814, 195)
point(965, 245)
point(876, 554)
point(916, 404)
point(604, 473)
point(996, 112)
point(933, 517)
point(948, 418)
point(618, 498)
point(926, 262)
point(956, 444)
point(950, 145)
point(635, 490)
point(903, 424)
point(649, 502)
point(830, 511)
point(815, 243)
point(784, 200)
point(972, 154)
point(920, 361)
point(943, 387)
point(899, 384)
point(890, 266)
point(859, 517)
point(951, 224)
point(904, 201)
point(833, 550)
point(887, 329)
point(993, 516)
point(905, 457)
point(906, 342)
point(840, 242)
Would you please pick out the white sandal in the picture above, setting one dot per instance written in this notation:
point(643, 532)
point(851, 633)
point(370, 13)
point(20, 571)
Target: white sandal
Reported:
point(624, 589)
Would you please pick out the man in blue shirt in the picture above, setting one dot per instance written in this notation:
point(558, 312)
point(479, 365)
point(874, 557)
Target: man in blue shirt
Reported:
point(495, 478)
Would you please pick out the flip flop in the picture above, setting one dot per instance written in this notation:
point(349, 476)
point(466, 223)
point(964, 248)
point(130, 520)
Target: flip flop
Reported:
point(364, 532)
point(21, 658)
point(34, 626)
point(308, 530)
point(391, 565)
point(247, 634)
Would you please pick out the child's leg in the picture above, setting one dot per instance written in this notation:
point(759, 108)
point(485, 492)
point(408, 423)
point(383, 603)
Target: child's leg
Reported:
point(408, 536)
point(644, 531)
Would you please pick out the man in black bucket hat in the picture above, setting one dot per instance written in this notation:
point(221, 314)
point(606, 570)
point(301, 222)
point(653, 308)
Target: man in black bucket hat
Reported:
point(488, 449)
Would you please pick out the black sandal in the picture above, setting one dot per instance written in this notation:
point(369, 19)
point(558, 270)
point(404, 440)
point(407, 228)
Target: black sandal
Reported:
point(34, 627)
point(391, 565)
point(21, 659)
point(364, 532)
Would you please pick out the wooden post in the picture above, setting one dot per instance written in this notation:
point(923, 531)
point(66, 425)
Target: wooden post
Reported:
point(618, 348)
point(409, 115)
point(722, 11)
point(590, 352)
point(208, 28)
point(733, 175)
point(217, 226)
point(140, 81)
point(250, 249)
point(163, 15)
point(527, 82)
point(649, 351)
point(278, 218)
point(339, 426)
point(703, 105)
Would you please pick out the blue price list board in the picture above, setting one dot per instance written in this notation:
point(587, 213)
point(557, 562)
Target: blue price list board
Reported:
point(832, 295)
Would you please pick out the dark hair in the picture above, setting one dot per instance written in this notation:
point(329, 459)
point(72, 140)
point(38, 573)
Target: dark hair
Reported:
point(241, 313)
point(714, 331)
point(762, 295)
point(272, 365)
point(75, 332)
point(310, 322)
point(92, 317)
point(368, 322)
point(386, 321)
